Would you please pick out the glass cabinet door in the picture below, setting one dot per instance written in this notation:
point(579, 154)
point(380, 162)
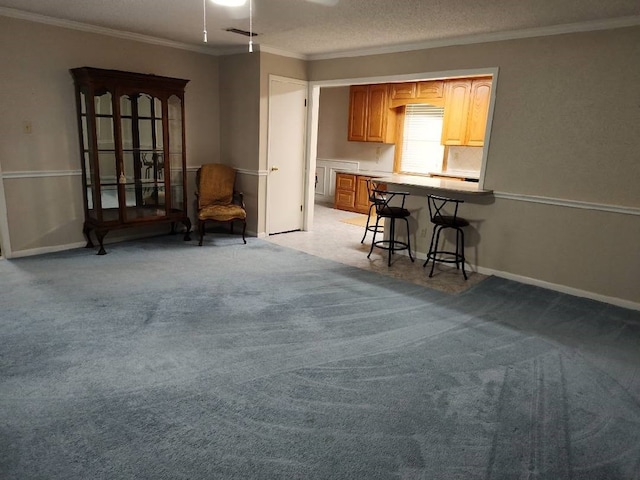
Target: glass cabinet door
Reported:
point(143, 156)
point(176, 154)
point(99, 155)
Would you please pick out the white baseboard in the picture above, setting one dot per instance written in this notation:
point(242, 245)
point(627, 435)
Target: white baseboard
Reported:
point(619, 302)
point(42, 250)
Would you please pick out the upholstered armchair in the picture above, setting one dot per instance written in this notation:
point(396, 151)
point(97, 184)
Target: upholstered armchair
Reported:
point(217, 200)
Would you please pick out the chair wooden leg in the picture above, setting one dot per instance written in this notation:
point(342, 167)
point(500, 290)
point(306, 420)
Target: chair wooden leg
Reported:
point(201, 230)
point(244, 229)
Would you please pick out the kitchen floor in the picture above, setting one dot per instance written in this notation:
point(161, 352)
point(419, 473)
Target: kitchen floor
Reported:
point(336, 236)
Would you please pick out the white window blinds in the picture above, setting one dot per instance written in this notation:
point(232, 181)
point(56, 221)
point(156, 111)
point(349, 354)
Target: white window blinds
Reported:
point(421, 148)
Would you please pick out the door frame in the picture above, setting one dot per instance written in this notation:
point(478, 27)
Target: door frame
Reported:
point(305, 160)
point(5, 244)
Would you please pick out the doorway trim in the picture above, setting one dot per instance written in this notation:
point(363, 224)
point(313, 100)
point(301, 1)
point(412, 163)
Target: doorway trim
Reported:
point(5, 244)
point(314, 107)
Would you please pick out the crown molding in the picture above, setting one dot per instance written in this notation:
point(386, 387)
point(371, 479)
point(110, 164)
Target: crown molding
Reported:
point(84, 27)
point(282, 53)
point(608, 24)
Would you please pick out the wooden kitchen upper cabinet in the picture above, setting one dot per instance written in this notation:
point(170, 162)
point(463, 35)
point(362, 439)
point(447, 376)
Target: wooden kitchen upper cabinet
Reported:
point(370, 117)
point(399, 91)
point(358, 108)
point(430, 90)
point(456, 112)
point(465, 111)
point(407, 93)
point(478, 112)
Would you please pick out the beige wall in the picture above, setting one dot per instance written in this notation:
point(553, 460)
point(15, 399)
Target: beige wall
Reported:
point(36, 86)
point(564, 131)
point(566, 109)
point(240, 125)
point(244, 100)
point(565, 127)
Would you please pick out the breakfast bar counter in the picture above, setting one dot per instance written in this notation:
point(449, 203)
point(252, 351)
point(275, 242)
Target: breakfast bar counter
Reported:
point(476, 201)
point(440, 186)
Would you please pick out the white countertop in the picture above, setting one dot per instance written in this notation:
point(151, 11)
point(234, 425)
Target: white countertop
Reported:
point(367, 173)
point(439, 184)
point(457, 174)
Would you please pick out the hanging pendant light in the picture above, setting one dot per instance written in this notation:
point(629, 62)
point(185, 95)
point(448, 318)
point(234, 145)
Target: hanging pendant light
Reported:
point(250, 28)
point(204, 19)
point(229, 3)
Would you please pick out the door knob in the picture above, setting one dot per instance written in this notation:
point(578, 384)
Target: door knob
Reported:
point(274, 169)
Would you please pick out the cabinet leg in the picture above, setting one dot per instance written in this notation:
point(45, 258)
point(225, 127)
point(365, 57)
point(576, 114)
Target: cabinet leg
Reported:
point(100, 234)
point(86, 230)
point(187, 224)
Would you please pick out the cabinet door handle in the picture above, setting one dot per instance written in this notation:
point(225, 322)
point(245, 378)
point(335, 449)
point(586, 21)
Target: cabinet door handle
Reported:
point(274, 169)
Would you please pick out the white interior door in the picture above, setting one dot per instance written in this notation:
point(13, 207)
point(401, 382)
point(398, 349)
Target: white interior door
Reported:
point(285, 157)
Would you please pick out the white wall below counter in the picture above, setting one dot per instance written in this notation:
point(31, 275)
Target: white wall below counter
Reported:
point(496, 245)
point(326, 169)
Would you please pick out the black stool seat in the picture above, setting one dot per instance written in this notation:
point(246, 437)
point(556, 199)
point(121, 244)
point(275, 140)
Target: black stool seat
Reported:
point(441, 221)
point(450, 221)
point(392, 213)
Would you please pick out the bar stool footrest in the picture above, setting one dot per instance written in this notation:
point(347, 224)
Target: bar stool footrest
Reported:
point(387, 245)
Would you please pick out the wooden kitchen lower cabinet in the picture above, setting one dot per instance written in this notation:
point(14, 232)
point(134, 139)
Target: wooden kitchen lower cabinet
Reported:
point(351, 192)
point(345, 191)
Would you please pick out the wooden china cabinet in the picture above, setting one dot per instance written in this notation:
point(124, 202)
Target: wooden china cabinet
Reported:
point(132, 139)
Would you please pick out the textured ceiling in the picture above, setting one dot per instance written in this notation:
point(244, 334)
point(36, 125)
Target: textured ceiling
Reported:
point(321, 27)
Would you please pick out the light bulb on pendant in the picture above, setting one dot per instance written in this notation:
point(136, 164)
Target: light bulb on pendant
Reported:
point(204, 20)
point(250, 28)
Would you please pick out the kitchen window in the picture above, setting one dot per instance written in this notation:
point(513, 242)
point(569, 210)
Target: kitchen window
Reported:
point(422, 151)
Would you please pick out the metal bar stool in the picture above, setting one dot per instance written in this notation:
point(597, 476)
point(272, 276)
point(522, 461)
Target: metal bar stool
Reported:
point(441, 221)
point(386, 211)
point(373, 200)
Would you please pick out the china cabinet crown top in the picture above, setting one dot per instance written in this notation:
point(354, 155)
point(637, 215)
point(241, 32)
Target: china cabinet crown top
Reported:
point(129, 80)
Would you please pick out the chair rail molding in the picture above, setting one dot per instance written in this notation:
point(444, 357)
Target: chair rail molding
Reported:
point(602, 207)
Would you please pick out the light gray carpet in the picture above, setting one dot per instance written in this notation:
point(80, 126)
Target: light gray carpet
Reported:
point(164, 360)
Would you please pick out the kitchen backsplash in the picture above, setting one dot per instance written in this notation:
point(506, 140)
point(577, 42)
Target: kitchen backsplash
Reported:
point(464, 159)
